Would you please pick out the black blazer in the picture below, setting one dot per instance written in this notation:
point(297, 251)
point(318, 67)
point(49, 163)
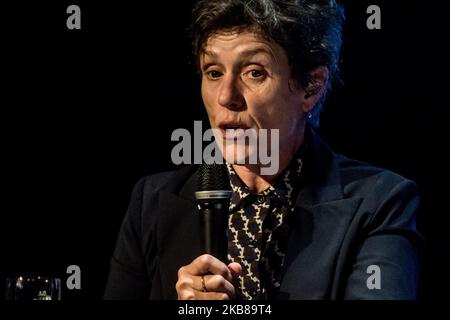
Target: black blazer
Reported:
point(349, 217)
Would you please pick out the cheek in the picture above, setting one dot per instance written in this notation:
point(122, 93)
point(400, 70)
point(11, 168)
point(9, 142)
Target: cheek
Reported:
point(208, 97)
point(269, 106)
point(277, 109)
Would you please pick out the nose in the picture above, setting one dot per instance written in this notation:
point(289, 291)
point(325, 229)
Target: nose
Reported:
point(230, 95)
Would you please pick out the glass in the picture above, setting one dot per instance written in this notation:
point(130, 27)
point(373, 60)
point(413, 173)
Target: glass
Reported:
point(33, 288)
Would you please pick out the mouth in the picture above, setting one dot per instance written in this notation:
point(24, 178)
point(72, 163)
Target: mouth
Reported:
point(232, 130)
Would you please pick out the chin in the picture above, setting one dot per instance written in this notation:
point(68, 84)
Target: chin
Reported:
point(239, 154)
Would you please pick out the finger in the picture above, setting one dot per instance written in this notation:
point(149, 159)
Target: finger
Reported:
point(235, 269)
point(208, 264)
point(186, 282)
point(211, 296)
point(191, 294)
point(217, 283)
point(191, 288)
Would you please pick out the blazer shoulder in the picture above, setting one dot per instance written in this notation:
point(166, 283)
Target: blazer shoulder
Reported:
point(148, 188)
point(145, 191)
point(156, 181)
point(171, 180)
point(362, 179)
point(389, 201)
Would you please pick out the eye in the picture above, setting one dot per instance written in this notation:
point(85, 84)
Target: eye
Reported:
point(214, 74)
point(256, 73)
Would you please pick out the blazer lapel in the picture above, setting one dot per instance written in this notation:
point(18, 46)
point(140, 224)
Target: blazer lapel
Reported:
point(178, 228)
point(320, 220)
point(317, 233)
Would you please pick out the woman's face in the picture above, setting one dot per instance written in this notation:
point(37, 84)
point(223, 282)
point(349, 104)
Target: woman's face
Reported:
point(247, 84)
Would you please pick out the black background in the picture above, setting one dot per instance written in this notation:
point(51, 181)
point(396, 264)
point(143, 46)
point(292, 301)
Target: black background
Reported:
point(85, 113)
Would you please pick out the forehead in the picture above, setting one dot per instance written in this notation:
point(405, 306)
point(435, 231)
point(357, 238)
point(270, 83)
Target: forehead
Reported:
point(239, 44)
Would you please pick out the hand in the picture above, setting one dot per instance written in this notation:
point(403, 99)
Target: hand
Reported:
point(207, 278)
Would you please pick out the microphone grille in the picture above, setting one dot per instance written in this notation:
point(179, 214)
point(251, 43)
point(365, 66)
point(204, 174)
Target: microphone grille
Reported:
point(213, 177)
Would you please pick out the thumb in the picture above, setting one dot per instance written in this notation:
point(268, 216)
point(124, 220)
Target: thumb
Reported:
point(235, 269)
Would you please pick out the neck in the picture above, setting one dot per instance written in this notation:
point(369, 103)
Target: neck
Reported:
point(250, 174)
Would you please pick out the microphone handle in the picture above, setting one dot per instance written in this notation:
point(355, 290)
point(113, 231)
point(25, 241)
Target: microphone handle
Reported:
point(214, 222)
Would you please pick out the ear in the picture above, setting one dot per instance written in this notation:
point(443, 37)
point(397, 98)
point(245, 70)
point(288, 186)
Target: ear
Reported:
point(316, 88)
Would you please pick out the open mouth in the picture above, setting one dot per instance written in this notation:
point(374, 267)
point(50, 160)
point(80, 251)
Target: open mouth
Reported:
point(232, 130)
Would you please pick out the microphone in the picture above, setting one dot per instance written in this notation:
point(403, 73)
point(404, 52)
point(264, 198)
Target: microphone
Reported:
point(213, 199)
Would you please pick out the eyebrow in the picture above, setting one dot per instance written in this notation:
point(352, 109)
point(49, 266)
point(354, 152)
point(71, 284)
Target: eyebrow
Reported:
point(245, 53)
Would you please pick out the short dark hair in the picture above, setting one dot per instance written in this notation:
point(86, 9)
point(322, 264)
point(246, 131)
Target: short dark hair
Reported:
point(308, 30)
